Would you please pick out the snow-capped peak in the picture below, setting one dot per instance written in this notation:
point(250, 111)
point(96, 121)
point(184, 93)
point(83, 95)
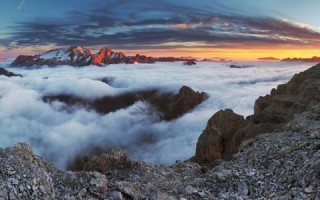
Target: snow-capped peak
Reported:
point(62, 54)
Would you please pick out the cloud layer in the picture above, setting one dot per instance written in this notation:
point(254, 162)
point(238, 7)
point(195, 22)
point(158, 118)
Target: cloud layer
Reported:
point(59, 135)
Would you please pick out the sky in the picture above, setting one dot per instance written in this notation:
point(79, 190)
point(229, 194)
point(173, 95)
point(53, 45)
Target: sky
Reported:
point(235, 29)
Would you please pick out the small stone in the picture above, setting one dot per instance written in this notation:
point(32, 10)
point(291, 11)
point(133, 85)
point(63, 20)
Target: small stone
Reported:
point(304, 196)
point(21, 188)
point(243, 188)
point(115, 195)
point(204, 169)
point(190, 190)
point(82, 192)
point(223, 174)
point(309, 189)
point(42, 188)
point(202, 194)
point(34, 187)
point(15, 182)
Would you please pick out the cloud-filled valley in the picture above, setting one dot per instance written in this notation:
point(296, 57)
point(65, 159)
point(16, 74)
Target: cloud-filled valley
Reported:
point(60, 134)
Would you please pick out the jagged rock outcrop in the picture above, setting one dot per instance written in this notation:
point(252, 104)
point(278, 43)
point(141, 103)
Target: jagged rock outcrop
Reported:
point(215, 141)
point(107, 56)
point(301, 93)
point(102, 57)
point(5, 72)
point(141, 59)
point(174, 106)
point(271, 113)
point(282, 165)
point(168, 105)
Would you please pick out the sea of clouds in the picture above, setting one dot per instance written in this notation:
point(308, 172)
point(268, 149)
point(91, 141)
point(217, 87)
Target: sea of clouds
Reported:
point(59, 135)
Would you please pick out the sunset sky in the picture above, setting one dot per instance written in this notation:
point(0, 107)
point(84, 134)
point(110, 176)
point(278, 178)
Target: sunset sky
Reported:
point(235, 29)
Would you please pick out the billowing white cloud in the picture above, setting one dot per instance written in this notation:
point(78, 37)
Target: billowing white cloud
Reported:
point(60, 135)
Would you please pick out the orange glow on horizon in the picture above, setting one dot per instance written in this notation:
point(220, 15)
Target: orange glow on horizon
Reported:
point(238, 53)
point(234, 54)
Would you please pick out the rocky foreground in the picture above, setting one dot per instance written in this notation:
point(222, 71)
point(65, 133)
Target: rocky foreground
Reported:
point(282, 165)
point(273, 154)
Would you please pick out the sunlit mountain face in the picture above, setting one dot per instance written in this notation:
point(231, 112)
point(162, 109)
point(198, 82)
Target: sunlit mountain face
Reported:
point(243, 30)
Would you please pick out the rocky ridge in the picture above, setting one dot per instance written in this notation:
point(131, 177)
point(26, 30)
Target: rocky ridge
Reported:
point(80, 56)
point(313, 59)
point(226, 130)
point(168, 105)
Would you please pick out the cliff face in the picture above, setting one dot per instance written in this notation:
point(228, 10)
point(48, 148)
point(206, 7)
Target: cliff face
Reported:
point(301, 93)
point(271, 112)
point(214, 142)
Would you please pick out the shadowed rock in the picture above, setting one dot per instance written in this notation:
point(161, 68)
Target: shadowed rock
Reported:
point(241, 66)
point(215, 141)
point(104, 163)
point(5, 72)
point(301, 93)
point(175, 106)
point(169, 105)
point(24, 60)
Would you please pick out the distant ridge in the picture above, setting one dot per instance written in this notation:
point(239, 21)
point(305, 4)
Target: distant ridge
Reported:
point(313, 59)
point(268, 58)
point(79, 56)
